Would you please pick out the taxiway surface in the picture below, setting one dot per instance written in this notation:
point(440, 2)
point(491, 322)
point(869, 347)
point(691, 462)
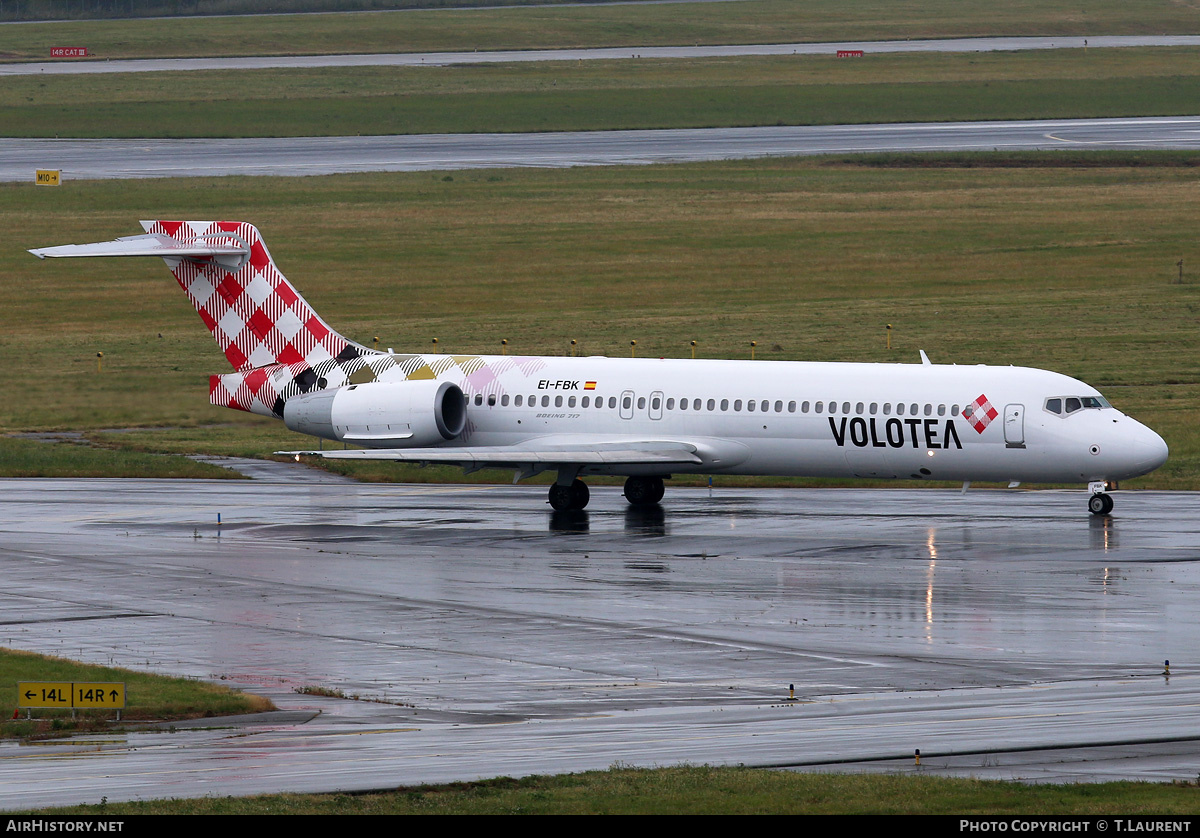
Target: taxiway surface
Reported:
point(1002, 633)
point(445, 59)
point(118, 159)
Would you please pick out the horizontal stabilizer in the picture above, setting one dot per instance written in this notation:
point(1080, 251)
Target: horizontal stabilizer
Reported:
point(227, 251)
point(257, 318)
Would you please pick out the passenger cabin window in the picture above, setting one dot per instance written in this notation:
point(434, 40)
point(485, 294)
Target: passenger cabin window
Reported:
point(478, 399)
point(491, 400)
point(518, 400)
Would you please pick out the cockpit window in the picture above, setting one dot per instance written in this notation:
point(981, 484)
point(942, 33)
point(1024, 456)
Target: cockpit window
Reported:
point(1066, 405)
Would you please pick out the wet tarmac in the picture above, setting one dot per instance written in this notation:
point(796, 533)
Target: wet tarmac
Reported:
point(292, 156)
point(1003, 633)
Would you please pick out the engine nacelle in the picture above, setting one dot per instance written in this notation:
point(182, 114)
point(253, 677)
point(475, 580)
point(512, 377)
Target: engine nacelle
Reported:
point(400, 414)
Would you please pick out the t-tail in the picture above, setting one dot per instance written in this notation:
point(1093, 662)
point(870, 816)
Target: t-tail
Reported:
point(274, 340)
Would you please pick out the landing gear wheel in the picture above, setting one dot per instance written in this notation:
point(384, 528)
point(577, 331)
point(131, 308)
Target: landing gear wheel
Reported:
point(575, 496)
point(1100, 504)
point(644, 491)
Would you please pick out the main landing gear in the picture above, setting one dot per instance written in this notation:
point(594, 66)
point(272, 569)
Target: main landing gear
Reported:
point(573, 496)
point(644, 491)
point(1099, 503)
point(639, 491)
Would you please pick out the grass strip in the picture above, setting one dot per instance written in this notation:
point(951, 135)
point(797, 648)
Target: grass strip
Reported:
point(148, 697)
point(33, 458)
point(558, 96)
point(705, 790)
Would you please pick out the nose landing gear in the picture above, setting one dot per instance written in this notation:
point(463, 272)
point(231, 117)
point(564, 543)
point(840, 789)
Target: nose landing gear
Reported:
point(1099, 503)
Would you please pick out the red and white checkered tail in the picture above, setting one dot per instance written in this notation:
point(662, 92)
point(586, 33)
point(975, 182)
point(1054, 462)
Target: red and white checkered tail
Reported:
point(256, 316)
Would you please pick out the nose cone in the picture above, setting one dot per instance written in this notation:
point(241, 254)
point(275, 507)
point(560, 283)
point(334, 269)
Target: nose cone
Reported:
point(1150, 450)
point(1139, 450)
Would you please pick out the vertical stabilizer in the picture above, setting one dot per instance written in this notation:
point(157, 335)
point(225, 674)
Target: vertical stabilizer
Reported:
point(275, 341)
point(253, 312)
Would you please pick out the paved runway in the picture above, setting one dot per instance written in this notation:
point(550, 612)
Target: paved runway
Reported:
point(100, 159)
point(443, 59)
point(1000, 630)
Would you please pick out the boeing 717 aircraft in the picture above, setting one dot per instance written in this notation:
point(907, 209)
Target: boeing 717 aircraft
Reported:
point(644, 419)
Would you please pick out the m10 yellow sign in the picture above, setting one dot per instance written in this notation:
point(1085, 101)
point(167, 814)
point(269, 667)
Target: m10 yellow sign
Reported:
point(67, 695)
point(47, 177)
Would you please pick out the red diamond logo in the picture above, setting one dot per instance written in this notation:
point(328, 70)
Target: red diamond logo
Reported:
point(980, 413)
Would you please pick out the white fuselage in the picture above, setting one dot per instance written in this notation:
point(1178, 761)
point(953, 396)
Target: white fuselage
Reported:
point(812, 419)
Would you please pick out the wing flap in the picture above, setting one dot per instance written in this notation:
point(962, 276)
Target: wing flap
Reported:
point(515, 457)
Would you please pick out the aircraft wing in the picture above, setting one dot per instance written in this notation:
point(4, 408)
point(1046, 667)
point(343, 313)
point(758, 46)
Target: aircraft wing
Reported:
point(625, 452)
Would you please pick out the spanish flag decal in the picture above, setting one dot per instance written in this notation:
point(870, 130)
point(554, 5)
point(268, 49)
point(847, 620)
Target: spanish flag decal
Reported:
point(589, 385)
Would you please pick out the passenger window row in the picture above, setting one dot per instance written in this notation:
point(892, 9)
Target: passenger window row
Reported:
point(738, 405)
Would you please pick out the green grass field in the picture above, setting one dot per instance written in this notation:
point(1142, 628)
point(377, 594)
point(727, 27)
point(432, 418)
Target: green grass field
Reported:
point(149, 698)
point(985, 260)
point(751, 21)
point(703, 790)
point(599, 95)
